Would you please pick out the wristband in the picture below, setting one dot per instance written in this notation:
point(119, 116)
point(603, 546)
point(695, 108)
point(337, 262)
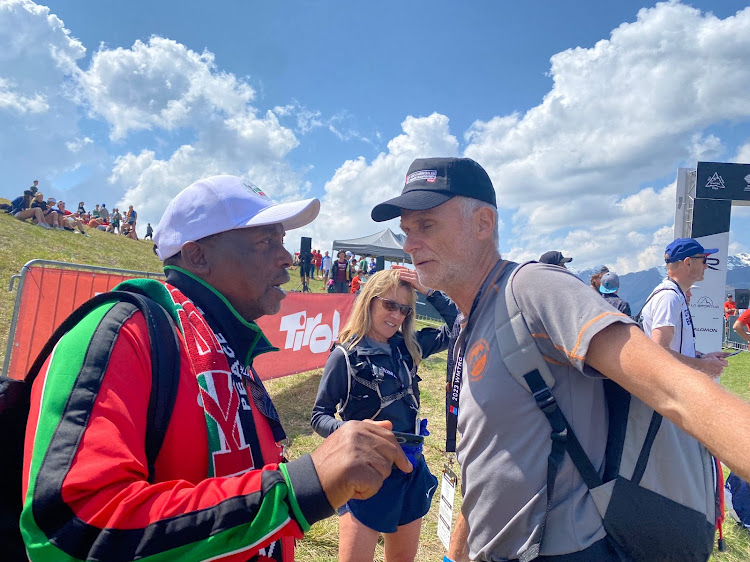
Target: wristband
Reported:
point(446, 559)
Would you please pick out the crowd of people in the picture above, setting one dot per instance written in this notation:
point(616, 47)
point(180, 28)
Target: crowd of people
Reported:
point(50, 213)
point(220, 487)
point(345, 274)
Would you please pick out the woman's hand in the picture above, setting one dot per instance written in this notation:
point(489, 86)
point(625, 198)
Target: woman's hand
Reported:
point(410, 276)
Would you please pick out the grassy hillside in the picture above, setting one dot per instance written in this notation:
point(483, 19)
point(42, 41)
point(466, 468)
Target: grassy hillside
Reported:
point(21, 242)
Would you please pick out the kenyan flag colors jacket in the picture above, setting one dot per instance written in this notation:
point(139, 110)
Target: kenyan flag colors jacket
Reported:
point(219, 490)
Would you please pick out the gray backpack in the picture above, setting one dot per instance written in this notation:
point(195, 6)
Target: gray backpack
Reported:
point(658, 494)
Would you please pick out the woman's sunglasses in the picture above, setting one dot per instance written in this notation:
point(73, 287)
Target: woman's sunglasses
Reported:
point(392, 306)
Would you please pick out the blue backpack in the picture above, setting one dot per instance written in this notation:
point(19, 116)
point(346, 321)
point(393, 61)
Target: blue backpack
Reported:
point(740, 493)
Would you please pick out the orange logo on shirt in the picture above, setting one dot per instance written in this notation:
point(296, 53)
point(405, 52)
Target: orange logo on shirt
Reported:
point(476, 359)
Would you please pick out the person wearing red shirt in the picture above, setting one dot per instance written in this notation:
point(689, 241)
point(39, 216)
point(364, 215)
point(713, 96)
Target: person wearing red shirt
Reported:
point(317, 259)
point(741, 325)
point(356, 282)
point(730, 307)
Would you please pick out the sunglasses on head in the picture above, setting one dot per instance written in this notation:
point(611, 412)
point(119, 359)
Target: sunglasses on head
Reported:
point(392, 306)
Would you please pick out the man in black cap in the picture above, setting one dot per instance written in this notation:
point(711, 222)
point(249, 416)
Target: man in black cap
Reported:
point(554, 257)
point(448, 212)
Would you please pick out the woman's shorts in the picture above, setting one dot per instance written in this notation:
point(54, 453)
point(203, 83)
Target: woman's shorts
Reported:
point(402, 499)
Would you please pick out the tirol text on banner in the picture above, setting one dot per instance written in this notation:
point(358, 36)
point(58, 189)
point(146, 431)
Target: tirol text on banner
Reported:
point(303, 330)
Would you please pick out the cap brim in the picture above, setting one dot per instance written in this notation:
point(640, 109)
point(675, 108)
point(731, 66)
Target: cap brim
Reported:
point(294, 214)
point(414, 200)
point(709, 251)
point(566, 260)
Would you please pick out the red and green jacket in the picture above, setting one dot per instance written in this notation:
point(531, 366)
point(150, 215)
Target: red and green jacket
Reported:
point(86, 489)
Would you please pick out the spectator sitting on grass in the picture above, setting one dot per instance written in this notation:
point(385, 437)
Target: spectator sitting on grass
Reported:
point(69, 220)
point(129, 232)
point(50, 216)
point(81, 211)
point(21, 209)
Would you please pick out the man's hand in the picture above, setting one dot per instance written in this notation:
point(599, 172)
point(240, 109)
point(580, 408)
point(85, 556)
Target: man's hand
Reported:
point(410, 276)
point(355, 459)
point(713, 364)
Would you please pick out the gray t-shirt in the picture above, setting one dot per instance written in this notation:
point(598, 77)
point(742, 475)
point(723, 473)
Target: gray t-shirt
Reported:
point(505, 438)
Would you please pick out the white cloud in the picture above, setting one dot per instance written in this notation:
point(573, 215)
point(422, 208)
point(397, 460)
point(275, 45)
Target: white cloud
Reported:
point(160, 84)
point(743, 154)
point(357, 186)
point(244, 145)
point(11, 100)
point(307, 120)
point(38, 112)
point(633, 107)
point(575, 173)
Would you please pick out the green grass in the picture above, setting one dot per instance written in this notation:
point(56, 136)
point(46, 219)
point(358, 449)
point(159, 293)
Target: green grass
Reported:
point(294, 395)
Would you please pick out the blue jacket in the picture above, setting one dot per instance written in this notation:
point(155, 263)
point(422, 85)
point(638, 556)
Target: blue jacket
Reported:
point(363, 402)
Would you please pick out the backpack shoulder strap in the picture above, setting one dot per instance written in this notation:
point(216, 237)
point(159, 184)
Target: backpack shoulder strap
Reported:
point(349, 374)
point(518, 349)
point(652, 295)
point(165, 361)
point(526, 365)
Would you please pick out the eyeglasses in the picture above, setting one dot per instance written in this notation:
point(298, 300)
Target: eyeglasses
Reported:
point(392, 306)
point(704, 259)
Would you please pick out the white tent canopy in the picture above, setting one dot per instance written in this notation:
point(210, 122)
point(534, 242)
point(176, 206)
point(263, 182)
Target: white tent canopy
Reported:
point(385, 243)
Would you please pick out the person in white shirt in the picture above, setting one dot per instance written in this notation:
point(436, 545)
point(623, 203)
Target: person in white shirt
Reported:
point(666, 314)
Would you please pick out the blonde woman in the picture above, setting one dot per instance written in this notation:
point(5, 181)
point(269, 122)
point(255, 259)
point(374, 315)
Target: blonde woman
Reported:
point(373, 375)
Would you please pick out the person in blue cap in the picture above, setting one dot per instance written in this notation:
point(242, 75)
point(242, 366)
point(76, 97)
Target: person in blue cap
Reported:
point(666, 314)
point(608, 287)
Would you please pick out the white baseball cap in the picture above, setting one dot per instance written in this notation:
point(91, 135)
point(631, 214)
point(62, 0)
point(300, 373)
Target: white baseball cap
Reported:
point(221, 203)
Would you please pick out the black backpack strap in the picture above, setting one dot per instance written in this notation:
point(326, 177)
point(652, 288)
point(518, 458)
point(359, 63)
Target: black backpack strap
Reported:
point(563, 439)
point(520, 354)
point(652, 295)
point(165, 361)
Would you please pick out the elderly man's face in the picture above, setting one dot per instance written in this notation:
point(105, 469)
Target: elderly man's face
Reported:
point(440, 243)
point(248, 265)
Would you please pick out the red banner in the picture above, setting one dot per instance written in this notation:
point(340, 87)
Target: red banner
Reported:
point(303, 329)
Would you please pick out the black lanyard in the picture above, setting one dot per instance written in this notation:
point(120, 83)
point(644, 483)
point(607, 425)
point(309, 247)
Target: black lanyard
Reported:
point(456, 361)
point(689, 315)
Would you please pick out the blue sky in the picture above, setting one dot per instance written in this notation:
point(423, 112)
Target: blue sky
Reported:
point(580, 111)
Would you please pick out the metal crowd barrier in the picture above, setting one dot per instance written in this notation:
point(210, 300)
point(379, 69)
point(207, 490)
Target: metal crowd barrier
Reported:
point(62, 304)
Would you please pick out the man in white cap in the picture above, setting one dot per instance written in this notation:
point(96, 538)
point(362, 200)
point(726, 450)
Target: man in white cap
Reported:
point(219, 488)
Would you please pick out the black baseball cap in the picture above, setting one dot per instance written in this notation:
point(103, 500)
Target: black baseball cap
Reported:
point(554, 258)
point(433, 181)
